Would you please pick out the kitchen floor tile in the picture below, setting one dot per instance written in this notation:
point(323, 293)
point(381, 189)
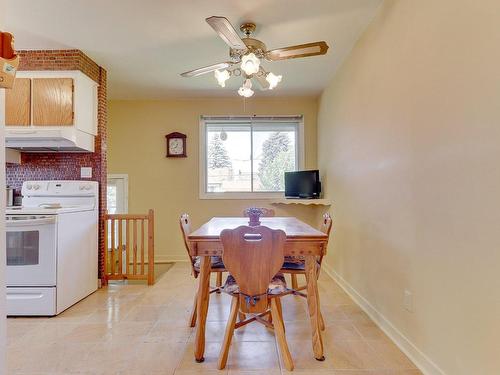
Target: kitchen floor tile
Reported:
point(135, 329)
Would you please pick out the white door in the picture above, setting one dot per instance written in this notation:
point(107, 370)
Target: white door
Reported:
point(117, 203)
point(117, 194)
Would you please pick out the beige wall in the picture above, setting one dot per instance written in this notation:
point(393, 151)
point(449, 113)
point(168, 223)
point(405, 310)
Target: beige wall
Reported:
point(136, 146)
point(409, 139)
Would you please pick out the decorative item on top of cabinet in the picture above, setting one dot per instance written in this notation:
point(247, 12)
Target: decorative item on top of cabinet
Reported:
point(176, 145)
point(9, 61)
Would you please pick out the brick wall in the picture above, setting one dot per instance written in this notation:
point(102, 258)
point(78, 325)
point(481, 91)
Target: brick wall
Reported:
point(66, 166)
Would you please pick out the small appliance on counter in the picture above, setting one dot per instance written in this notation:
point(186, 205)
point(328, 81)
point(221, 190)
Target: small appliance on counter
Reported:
point(9, 197)
point(52, 247)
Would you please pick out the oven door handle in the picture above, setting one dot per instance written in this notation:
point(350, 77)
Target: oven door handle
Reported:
point(30, 222)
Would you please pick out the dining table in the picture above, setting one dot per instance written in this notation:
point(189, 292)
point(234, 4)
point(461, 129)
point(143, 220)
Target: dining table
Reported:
point(301, 240)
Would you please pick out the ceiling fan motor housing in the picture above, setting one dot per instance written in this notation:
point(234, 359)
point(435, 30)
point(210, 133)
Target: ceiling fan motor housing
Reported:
point(253, 45)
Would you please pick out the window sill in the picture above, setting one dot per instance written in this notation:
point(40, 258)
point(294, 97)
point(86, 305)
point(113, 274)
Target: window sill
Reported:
point(251, 196)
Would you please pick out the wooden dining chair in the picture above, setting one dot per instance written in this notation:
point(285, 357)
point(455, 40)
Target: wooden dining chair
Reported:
point(216, 266)
point(296, 265)
point(253, 256)
point(266, 212)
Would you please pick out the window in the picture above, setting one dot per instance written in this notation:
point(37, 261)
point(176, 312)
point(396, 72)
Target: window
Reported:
point(246, 157)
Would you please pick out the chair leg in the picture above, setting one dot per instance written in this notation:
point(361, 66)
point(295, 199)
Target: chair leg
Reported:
point(192, 319)
point(280, 310)
point(295, 285)
point(279, 330)
point(218, 282)
point(228, 336)
point(321, 322)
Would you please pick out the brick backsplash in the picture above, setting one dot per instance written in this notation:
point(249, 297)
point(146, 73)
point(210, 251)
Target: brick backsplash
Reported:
point(66, 166)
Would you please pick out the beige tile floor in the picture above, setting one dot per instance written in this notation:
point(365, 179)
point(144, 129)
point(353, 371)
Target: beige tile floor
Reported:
point(138, 330)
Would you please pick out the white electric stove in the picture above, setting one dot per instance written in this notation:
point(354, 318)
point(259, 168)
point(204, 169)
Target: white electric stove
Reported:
point(52, 247)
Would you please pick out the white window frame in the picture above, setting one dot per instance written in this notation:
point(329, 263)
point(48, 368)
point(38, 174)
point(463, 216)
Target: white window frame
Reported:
point(244, 195)
point(124, 177)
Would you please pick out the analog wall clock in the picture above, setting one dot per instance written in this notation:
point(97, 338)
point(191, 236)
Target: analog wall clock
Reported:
point(176, 145)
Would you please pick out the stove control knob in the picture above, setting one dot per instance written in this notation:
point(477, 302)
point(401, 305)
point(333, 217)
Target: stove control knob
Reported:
point(87, 187)
point(82, 187)
point(36, 187)
point(29, 187)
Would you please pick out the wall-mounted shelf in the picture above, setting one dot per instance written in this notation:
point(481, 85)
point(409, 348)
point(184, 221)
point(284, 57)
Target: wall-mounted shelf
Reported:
point(306, 202)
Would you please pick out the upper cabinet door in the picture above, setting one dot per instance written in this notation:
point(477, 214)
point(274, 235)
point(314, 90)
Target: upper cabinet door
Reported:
point(52, 101)
point(18, 103)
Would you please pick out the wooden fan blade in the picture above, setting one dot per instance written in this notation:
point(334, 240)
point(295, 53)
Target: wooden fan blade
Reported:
point(206, 69)
point(301, 50)
point(261, 79)
point(226, 31)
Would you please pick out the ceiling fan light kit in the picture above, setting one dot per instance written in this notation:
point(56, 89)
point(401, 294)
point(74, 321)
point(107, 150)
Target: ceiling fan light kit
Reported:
point(250, 64)
point(222, 76)
point(246, 90)
point(247, 54)
point(273, 80)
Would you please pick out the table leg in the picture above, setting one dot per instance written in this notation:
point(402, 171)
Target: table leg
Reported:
point(202, 308)
point(313, 305)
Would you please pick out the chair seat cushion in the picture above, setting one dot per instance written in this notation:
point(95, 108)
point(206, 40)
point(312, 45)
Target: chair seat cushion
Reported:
point(276, 286)
point(216, 262)
point(297, 263)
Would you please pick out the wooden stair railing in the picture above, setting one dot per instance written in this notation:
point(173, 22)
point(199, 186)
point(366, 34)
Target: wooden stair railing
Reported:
point(127, 233)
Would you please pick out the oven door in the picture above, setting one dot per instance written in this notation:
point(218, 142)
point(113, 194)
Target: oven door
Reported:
point(31, 250)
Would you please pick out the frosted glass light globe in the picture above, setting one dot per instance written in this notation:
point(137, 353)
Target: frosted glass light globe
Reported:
point(250, 64)
point(246, 90)
point(273, 80)
point(222, 76)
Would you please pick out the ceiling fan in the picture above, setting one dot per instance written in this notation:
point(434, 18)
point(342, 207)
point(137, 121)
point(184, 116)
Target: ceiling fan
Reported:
point(246, 54)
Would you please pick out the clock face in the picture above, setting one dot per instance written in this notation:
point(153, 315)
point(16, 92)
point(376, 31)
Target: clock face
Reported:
point(176, 146)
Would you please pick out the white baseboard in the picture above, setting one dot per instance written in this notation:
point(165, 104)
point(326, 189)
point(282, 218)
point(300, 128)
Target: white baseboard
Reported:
point(171, 259)
point(422, 361)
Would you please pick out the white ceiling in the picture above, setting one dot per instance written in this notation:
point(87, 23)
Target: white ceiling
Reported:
point(144, 45)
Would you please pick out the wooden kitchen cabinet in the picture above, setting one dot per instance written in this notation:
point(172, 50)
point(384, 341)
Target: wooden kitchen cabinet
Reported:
point(55, 107)
point(53, 101)
point(18, 103)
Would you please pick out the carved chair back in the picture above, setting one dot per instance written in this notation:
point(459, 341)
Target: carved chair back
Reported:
point(185, 223)
point(253, 255)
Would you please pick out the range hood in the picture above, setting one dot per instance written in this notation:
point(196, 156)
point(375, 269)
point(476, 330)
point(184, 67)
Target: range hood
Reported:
point(49, 140)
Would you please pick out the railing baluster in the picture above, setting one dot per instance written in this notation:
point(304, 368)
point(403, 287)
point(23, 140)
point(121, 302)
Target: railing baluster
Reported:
point(127, 249)
point(105, 257)
point(142, 247)
point(120, 248)
point(112, 263)
point(151, 248)
point(135, 248)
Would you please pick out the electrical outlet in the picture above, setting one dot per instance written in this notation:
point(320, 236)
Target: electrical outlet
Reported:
point(408, 301)
point(86, 172)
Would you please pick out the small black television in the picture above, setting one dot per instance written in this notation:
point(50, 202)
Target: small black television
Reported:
point(302, 184)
